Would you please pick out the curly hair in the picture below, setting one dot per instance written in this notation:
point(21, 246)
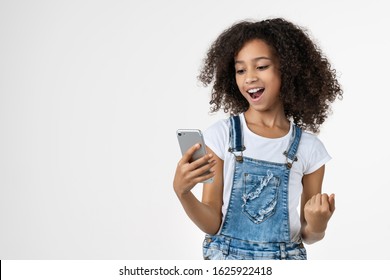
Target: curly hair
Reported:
point(309, 84)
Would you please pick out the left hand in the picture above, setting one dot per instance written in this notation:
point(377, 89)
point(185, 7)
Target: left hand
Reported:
point(318, 210)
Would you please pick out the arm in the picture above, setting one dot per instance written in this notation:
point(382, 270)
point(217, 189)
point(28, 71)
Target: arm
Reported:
point(316, 208)
point(206, 214)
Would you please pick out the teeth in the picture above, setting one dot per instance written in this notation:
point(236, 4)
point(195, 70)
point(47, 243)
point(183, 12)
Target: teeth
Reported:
point(254, 90)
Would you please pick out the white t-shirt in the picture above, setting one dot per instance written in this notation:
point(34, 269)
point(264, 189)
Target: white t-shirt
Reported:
point(311, 155)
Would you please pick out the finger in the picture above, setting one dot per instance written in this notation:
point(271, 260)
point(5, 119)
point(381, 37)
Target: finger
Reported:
point(316, 199)
point(205, 177)
point(332, 202)
point(202, 173)
point(324, 199)
point(188, 154)
point(201, 161)
point(203, 169)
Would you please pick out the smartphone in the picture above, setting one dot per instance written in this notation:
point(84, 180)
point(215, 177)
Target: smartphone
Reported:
point(188, 138)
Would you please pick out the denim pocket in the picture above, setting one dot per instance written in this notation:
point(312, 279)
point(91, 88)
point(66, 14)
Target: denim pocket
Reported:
point(260, 196)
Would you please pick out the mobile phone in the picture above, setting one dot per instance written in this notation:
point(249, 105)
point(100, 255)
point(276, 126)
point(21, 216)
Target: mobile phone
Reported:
point(188, 138)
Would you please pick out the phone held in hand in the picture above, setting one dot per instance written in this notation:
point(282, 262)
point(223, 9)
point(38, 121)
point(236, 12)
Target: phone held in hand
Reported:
point(188, 138)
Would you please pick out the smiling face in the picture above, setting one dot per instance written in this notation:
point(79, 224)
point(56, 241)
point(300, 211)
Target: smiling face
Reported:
point(258, 77)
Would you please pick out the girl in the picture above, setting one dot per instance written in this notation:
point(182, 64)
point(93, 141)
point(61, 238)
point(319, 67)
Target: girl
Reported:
point(277, 86)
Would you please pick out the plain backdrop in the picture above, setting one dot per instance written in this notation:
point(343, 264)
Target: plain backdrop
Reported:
point(91, 95)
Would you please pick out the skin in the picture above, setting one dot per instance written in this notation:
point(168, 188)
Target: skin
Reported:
point(207, 214)
point(256, 67)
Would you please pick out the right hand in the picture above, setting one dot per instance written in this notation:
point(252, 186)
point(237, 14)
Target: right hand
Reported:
point(188, 174)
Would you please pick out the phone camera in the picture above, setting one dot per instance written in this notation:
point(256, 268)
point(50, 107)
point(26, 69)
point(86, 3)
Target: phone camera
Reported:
point(179, 134)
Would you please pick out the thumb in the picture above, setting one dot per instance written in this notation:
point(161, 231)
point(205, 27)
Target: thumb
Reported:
point(332, 202)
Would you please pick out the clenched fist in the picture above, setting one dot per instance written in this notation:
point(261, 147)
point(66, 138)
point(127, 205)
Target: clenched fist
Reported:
point(318, 210)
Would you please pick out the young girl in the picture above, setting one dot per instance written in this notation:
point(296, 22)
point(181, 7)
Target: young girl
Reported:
point(277, 86)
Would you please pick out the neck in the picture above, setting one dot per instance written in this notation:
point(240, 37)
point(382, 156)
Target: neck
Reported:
point(268, 119)
point(267, 124)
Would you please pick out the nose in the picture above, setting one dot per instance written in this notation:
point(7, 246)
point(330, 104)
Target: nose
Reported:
point(250, 78)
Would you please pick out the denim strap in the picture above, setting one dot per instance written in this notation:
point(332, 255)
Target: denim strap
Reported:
point(291, 151)
point(237, 146)
point(236, 141)
point(236, 135)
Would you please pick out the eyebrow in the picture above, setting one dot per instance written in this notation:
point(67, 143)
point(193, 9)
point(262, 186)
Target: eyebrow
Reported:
point(253, 60)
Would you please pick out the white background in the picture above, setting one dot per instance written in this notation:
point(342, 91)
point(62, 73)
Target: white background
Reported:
point(92, 92)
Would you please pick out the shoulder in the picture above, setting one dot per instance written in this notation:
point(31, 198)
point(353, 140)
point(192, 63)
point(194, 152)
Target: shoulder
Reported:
point(217, 136)
point(311, 141)
point(218, 126)
point(313, 152)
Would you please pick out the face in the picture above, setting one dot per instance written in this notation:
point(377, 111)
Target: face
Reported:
point(257, 76)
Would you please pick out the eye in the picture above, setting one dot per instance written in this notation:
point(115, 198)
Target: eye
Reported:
point(263, 67)
point(240, 71)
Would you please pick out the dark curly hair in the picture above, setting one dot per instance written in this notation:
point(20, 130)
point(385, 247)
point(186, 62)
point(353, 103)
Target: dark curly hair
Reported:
point(309, 84)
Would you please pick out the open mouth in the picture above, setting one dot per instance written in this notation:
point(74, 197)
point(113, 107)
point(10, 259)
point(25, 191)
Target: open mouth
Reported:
point(255, 93)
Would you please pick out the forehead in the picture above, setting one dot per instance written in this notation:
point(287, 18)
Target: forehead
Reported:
point(254, 48)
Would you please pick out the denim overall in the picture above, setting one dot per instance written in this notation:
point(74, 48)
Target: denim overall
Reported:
point(256, 226)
